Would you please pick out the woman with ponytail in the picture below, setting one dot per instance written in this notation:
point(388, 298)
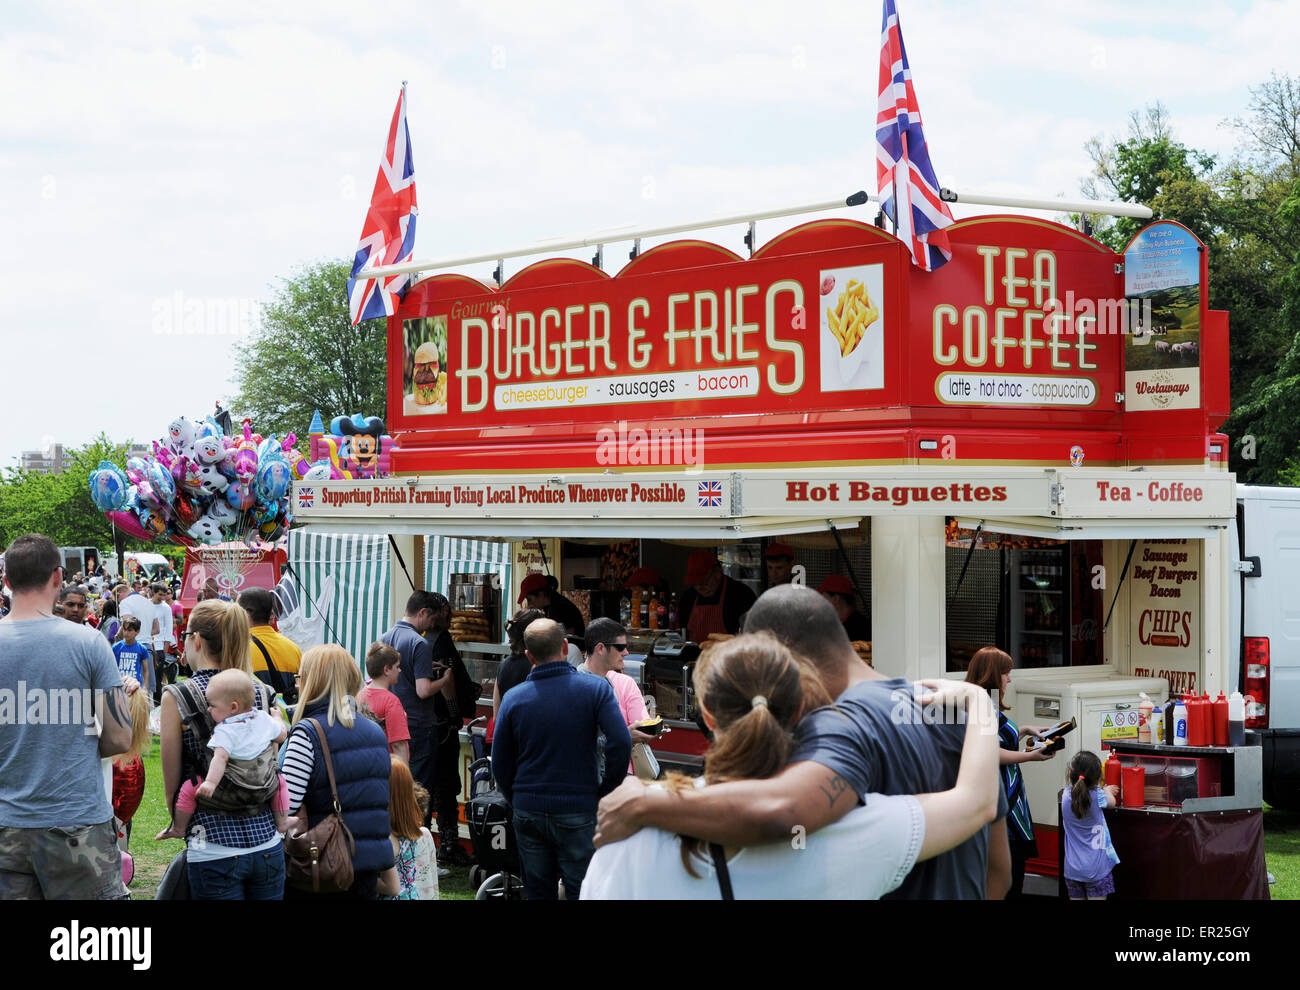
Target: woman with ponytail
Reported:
point(752, 692)
point(1089, 855)
point(228, 856)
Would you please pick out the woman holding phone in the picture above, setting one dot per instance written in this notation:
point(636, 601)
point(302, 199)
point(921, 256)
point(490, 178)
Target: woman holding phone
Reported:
point(990, 668)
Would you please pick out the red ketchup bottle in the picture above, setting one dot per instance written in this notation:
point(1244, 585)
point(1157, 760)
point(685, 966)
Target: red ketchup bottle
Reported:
point(1207, 719)
point(1220, 720)
point(1133, 793)
point(1112, 771)
point(1193, 719)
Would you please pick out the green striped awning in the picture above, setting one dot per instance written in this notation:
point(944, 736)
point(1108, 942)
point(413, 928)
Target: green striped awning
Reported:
point(445, 556)
point(359, 566)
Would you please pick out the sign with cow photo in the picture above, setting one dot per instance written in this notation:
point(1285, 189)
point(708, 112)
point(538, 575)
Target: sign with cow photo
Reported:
point(1163, 286)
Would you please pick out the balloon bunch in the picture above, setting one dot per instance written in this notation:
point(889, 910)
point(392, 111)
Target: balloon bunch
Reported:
point(200, 485)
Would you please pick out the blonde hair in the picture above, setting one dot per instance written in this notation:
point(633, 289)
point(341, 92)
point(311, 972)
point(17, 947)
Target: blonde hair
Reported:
point(139, 705)
point(329, 672)
point(224, 628)
point(404, 812)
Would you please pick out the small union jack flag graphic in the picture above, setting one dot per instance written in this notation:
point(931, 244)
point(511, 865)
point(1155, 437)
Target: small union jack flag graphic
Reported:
point(305, 497)
point(710, 494)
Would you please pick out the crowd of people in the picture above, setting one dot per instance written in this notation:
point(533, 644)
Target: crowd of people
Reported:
point(835, 780)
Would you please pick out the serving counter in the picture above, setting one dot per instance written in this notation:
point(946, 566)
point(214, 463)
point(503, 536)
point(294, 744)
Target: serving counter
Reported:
point(1198, 831)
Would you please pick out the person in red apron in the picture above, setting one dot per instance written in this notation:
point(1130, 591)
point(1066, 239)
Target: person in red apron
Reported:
point(713, 603)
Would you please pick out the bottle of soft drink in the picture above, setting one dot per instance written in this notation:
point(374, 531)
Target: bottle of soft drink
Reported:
point(672, 611)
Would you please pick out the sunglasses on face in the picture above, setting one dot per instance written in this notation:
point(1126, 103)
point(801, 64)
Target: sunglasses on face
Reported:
point(621, 647)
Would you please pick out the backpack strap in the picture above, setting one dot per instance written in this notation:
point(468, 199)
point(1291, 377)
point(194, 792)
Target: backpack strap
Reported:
point(275, 676)
point(193, 706)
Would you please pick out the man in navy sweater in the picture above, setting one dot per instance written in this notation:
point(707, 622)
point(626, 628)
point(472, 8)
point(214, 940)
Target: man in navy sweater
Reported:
point(544, 760)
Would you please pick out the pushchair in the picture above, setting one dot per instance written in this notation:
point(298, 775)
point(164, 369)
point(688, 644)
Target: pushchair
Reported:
point(491, 830)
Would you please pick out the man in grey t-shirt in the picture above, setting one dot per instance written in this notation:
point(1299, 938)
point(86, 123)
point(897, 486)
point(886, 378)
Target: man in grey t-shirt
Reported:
point(63, 707)
point(875, 739)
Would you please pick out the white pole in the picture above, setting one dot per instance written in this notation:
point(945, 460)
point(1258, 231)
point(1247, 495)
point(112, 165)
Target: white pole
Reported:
point(1109, 208)
point(857, 199)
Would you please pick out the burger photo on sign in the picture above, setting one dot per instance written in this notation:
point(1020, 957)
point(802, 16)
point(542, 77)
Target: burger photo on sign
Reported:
point(424, 371)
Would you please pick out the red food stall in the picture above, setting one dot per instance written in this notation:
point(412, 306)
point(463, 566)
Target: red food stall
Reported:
point(967, 444)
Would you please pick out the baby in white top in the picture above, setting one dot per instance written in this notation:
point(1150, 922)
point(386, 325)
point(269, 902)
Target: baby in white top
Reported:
point(244, 734)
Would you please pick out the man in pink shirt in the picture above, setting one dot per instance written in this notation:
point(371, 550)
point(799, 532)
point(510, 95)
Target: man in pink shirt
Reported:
point(606, 647)
point(383, 664)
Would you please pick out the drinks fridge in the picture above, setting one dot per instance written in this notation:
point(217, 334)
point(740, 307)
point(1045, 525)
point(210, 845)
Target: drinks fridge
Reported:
point(1038, 606)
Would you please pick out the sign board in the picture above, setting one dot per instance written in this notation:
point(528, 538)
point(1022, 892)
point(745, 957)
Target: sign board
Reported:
point(1164, 285)
point(1165, 611)
point(708, 496)
point(878, 493)
point(1097, 495)
point(540, 556)
point(828, 328)
point(1119, 724)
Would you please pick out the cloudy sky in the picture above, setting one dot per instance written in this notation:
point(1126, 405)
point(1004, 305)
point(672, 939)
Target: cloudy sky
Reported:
point(154, 154)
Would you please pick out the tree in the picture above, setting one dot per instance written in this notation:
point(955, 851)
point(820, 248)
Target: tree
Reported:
point(1271, 410)
point(1264, 218)
point(306, 355)
point(1145, 168)
point(59, 505)
point(1243, 210)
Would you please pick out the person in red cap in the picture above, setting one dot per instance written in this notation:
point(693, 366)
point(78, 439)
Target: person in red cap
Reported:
point(838, 590)
point(538, 592)
point(713, 603)
point(645, 577)
point(779, 558)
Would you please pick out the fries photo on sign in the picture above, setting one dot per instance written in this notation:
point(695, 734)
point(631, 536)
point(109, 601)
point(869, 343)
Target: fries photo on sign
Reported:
point(852, 337)
point(851, 316)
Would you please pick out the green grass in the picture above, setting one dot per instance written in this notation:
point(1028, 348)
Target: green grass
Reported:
point(1282, 852)
point(1147, 358)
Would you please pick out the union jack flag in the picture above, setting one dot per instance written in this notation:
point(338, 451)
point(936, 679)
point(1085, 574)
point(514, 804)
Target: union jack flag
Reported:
point(903, 166)
point(710, 494)
point(305, 497)
point(388, 235)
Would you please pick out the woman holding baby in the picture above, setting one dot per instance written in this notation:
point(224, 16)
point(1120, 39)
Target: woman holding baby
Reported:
point(230, 855)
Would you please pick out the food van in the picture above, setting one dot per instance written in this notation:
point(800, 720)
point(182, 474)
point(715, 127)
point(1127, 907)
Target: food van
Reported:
point(1020, 448)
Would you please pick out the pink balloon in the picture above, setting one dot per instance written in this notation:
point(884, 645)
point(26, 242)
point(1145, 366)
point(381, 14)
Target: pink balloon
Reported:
point(129, 524)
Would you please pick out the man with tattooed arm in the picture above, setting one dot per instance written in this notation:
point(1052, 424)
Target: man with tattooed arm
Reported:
point(63, 707)
point(875, 738)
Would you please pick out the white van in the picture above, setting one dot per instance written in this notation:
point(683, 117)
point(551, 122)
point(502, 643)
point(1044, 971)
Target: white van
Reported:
point(1265, 610)
point(155, 565)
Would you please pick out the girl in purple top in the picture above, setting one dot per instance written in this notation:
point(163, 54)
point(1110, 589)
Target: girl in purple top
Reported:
point(1089, 855)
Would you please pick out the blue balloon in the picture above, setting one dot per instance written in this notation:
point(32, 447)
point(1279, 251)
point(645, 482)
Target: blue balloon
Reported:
point(164, 485)
point(108, 487)
point(268, 449)
point(273, 479)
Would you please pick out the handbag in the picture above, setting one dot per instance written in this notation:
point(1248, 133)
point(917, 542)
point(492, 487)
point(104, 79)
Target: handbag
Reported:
point(320, 859)
point(719, 858)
